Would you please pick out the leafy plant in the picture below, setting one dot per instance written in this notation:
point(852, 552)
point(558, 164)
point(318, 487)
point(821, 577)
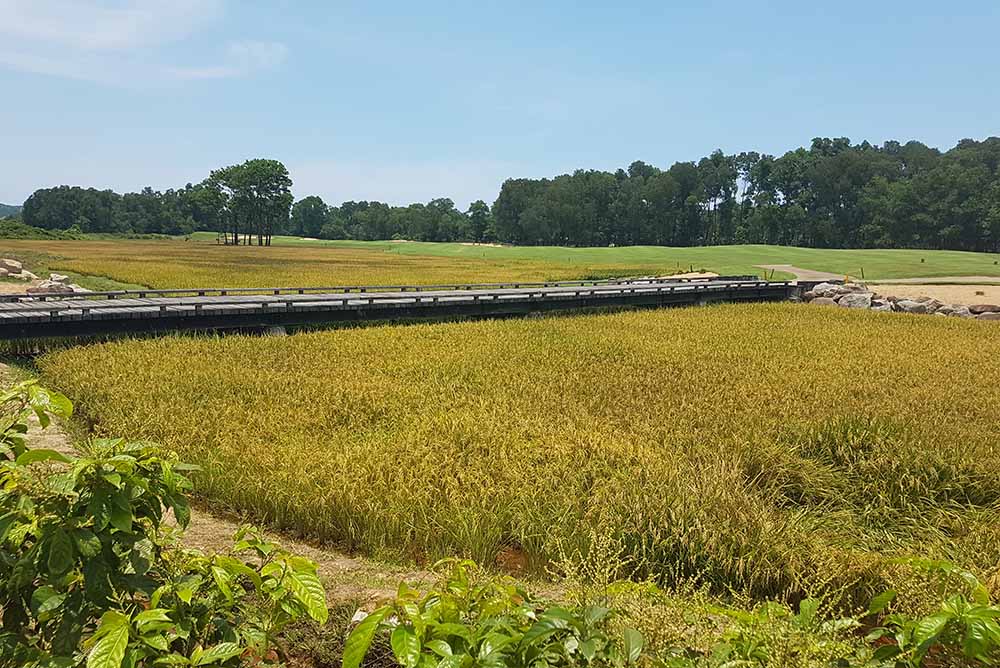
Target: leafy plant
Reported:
point(91, 572)
point(964, 625)
point(493, 623)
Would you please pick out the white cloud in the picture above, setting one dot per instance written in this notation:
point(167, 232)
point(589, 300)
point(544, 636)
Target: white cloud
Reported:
point(88, 25)
point(95, 40)
point(241, 59)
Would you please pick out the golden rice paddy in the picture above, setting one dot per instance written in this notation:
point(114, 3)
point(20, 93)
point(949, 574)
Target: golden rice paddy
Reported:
point(765, 448)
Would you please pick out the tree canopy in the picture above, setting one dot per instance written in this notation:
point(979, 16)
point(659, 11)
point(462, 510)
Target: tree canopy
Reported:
point(833, 194)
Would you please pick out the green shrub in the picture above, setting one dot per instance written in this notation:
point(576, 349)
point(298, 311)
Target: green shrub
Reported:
point(495, 623)
point(91, 572)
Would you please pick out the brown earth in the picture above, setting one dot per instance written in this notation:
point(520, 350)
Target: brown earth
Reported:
point(949, 294)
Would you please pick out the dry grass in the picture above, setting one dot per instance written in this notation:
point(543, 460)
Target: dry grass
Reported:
point(773, 449)
point(180, 264)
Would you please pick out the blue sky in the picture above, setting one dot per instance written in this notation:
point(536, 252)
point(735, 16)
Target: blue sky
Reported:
point(406, 101)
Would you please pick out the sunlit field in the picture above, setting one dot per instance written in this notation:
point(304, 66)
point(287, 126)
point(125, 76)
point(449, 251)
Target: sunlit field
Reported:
point(180, 264)
point(772, 449)
point(175, 263)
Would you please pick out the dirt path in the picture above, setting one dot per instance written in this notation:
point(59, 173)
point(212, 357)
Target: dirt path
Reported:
point(802, 274)
point(966, 293)
point(346, 578)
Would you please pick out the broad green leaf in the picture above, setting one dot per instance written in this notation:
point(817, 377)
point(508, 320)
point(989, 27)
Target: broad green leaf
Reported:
point(219, 653)
point(121, 513)
point(880, 602)
point(594, 614)
point(87, 543)
point(406, 646)
point(307, 588)
point(633, 645)
point(360, 639)
point(42, 455)
point(439, 647)
point(109, 650)
point(182, 511)
point(46, 600)
point(929, 627)
point(61, 553)
point(221, 577)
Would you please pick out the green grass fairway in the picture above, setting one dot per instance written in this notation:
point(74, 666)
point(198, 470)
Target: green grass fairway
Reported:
point(874, 264)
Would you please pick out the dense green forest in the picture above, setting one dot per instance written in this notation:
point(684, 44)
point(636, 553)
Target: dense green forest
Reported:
point(833, 194)
point(9, 210)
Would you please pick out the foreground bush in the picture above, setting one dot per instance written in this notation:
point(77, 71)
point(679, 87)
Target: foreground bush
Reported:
point(90, 572)
point(463, 623)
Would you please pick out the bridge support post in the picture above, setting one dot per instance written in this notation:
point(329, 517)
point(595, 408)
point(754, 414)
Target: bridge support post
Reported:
point(276, 330)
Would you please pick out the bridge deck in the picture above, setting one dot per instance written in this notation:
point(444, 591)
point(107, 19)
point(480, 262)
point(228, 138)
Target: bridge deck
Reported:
point(101, 313)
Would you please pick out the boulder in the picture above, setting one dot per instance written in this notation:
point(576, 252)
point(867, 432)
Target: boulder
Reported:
point(984, 308)
point(992, 315)
point(808, 295)
point(856, 300)
point(826, 290)
point(881, 306)
point(911, 306)
point(3, 272)
point(12, 266)
point(824, 301)
point(25, 275)
point(58, 278)
point(77, 289)
point(961, 312)
point(50, 288)
point(945, 309)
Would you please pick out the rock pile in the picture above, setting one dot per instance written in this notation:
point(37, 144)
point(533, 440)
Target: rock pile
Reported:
point(56, 285)
point(858, 296)
point(14, 269)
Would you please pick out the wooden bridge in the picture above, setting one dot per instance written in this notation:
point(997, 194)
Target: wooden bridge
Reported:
point(138, 311)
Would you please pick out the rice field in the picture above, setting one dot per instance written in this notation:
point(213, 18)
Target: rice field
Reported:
point(775, 450)
point(180, 264)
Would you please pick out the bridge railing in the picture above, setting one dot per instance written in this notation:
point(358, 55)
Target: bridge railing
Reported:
point(223, 292)
point(195, 305)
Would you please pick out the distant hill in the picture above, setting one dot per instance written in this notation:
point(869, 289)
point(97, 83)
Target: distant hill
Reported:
point(9, 210)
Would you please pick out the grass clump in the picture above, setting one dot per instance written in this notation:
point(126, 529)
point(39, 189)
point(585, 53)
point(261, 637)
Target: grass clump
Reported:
point(772, 450)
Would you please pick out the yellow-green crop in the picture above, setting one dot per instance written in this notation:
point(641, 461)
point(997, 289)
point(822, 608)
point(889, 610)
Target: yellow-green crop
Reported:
point(767, 448)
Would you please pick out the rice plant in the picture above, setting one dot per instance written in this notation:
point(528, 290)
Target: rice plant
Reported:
point(775, 450)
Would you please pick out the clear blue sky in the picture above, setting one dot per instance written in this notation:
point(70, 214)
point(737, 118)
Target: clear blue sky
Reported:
point(406, 101)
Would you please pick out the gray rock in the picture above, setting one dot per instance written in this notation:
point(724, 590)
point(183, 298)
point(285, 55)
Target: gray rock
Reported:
point(881, 306)
point(50, 288)
point(992, 315)
point(25, 275)
point(58, 278)
point(961, 312)
point(3, 272)
point(77, 289)
point(808, 295)
point(827, 290)
point(12, 266)
point(856, 300)
point(984, 308)
point(911, 306)
point(824, 301)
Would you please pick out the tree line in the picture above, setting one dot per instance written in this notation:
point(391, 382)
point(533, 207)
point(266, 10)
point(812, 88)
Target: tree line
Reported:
point(834, 194)
point(245, 203)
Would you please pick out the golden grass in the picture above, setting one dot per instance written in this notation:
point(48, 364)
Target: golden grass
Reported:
point(767, 448)
point(180, 264)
